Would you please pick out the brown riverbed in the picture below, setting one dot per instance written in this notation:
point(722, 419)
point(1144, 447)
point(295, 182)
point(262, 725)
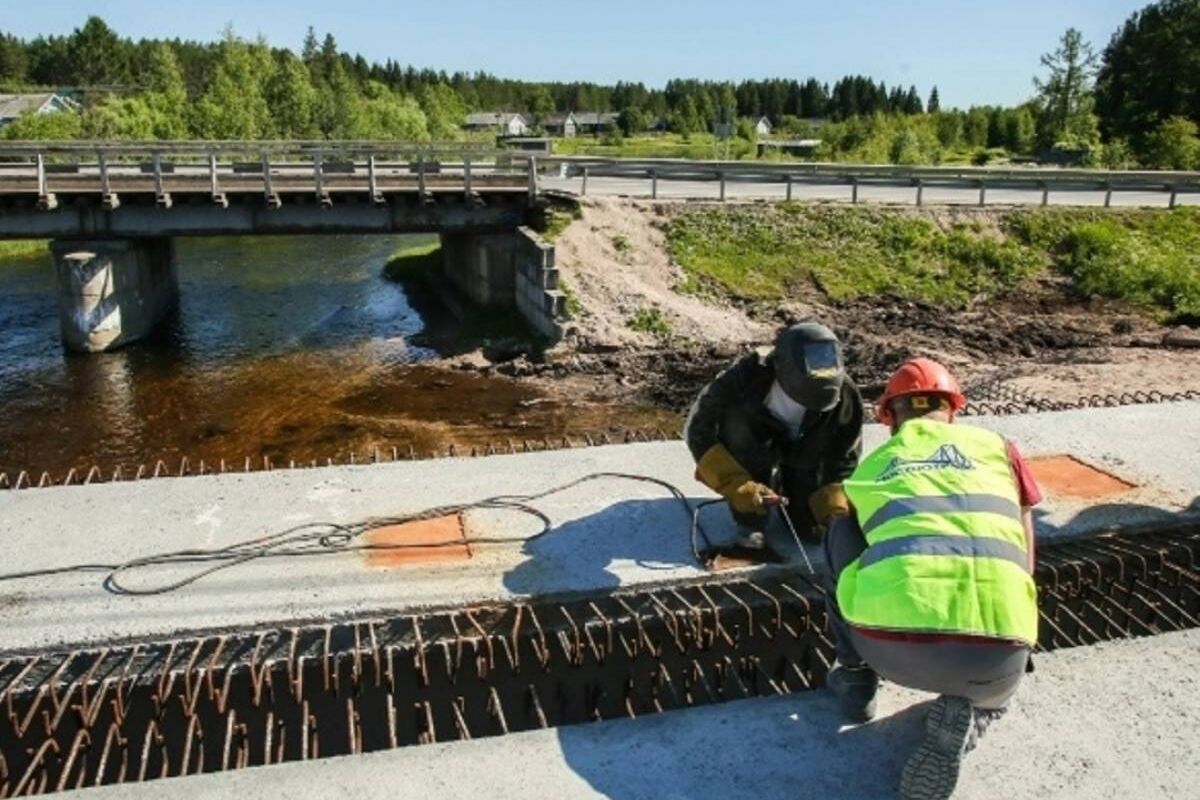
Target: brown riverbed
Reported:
point(290, 348)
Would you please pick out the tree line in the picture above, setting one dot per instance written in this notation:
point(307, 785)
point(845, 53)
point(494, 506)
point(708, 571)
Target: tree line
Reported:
point(1136, 102)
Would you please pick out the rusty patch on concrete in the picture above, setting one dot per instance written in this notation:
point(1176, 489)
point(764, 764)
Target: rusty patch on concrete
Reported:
point(420, 542)
point(1067, 476)
point(723, 562)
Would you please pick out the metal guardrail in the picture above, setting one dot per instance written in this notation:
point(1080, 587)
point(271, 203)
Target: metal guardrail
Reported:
point(226, 147)
point(856, 175)
point(39, 166)
point(112, 168)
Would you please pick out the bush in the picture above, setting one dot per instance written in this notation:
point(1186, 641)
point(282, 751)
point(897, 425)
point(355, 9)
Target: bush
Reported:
point(1148, 258)
point(57, 125)
point(1118, 155)
point(1111, 260)
point(1174, 145)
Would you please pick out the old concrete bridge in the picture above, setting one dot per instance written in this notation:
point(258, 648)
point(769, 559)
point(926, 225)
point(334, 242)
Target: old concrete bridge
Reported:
point(112, 212)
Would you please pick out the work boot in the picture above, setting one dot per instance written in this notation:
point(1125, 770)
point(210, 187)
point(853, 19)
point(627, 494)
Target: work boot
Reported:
point(932, 771)
point(855, 687)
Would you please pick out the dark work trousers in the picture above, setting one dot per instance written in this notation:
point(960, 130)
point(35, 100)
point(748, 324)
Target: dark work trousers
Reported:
point(773, 461)
point(987, 673)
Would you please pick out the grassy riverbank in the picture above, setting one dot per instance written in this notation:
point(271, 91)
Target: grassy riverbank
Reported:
point(449, 325)
point(414, 261)
point(1150, 259)
point(23, 248)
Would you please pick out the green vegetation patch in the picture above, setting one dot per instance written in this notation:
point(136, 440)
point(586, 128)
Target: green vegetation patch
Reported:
point(413, 262)
point(1148, 258)
point(650, 320)
point(23, 248)
point(557, 217)
point(772, 252)
point(572, 306)
point(668, 145)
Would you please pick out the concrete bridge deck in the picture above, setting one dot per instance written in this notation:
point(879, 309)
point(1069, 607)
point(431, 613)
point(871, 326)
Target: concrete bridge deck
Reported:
point(1057, 741)
point(605, 534)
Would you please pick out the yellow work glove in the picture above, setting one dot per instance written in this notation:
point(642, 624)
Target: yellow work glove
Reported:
point(752, 497)
point(828, 502)
point(719, 470)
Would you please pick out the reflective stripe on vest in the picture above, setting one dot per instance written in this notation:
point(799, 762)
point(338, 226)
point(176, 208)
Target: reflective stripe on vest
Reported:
point(951, 504)
point(946, 545)
point(968, 546)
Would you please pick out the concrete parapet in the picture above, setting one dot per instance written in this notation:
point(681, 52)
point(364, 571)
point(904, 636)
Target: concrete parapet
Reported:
point(113, 292)
point(509, 270)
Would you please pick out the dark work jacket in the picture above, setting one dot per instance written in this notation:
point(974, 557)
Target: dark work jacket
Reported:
point(730, 410)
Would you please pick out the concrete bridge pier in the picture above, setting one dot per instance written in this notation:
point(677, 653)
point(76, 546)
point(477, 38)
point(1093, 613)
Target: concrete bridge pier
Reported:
point(507, 270)
point(113, 291)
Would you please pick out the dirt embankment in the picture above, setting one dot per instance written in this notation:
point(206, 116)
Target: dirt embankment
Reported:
point(639, 333)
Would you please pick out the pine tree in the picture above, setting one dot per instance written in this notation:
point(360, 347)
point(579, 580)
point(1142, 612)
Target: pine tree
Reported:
point(309, 52)
point(1066, 92)
point(96, 54)
point(935, 103)
point(1150, 71)
point(912, 101)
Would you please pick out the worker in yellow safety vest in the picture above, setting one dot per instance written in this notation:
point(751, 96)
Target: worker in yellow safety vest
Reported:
point(931, 572)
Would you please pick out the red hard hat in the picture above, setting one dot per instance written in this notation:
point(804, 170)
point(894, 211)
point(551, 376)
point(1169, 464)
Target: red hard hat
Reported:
point(920, 376)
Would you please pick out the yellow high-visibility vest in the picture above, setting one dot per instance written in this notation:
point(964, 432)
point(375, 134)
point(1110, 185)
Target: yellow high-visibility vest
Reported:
point(946, 549)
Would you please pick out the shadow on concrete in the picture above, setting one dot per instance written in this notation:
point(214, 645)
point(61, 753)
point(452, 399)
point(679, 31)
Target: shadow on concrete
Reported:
point(629, 541)
point(1110, 516)
point(610, 547)
point(786, 748)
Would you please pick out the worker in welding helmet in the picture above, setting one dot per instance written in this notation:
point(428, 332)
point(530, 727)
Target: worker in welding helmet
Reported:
point(782, 425)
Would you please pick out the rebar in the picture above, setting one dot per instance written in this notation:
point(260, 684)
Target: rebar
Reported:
point(249, 698)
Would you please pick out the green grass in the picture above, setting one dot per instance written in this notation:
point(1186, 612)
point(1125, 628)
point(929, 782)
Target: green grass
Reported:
point(558, 217)
point(23, 248)
point(705, 146)
point(773, 252)
point(573, 307)
point(667, 145)
point(1148, 258)
point(651, 321)
point(413, 262)
point(621, 244)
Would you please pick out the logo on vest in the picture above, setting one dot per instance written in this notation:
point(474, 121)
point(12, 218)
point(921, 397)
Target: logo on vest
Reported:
point(946, 457)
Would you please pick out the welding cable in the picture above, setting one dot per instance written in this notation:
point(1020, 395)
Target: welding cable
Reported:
point(325, 538)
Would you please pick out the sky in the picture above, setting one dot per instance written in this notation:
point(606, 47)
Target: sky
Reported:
point(975, 52)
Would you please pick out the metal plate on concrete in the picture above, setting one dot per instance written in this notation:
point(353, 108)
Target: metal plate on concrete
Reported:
point(1067, 476)
point(419, 542)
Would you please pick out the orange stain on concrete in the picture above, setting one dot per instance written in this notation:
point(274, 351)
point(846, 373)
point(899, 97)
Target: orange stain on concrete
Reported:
point(436, 540)
point(1067, 476)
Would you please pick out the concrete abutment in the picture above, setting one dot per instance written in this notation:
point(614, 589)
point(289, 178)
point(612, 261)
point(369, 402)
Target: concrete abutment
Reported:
point(113, 291)
point(508, 270)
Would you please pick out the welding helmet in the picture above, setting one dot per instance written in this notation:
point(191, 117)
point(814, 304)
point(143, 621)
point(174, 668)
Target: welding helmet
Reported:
point(808, 365)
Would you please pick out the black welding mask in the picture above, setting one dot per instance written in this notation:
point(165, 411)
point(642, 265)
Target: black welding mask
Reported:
point(808, 365)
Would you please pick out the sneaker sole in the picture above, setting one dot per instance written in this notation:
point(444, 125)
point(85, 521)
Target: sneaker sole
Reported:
point(932, 772)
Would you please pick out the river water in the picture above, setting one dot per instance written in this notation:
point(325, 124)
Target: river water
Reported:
point(292, 348)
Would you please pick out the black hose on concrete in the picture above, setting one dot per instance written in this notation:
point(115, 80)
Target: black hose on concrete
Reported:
point(326, 538)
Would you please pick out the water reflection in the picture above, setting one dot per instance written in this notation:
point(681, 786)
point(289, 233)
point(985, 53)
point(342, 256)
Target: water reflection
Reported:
point(286, 347)
point(257, 316)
